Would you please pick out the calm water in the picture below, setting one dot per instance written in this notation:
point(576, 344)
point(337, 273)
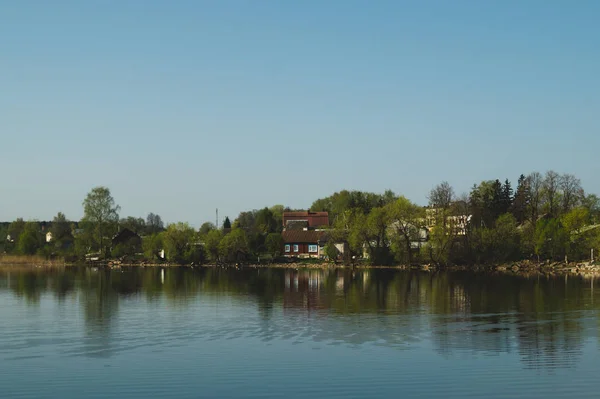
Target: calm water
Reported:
point(190, 333)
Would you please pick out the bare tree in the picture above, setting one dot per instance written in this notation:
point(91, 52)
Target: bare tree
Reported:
point(535, 186)
point(551, 191)
point(572, 193)
point(441, 196)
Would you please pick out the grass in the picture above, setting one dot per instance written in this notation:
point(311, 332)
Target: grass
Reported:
point(33, 260)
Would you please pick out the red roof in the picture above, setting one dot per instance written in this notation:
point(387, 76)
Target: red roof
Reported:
point(314, 219)
point(302, 236)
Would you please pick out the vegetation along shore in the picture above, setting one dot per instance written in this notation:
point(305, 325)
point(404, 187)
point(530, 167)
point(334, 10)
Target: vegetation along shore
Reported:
point(547, 223)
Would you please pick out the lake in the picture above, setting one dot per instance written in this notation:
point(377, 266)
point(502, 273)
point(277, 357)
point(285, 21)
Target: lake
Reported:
point(256, 333)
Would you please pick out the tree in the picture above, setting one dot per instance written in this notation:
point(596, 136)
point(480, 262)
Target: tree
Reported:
point(591, 202)
point(370, 231)
point(572, 193)
point(441, 196)
point(331, 251)
point(15, 229)
point(265, 221)
point(535, 186)
point(30, 239)
point(274, 243)
point(211, 244)
point(506, 198)
point(177, 239)
point(406, 220)
point(154, 223)
point(227, 223)
point(137, 225)
point(234, 246)
point(101, 214)
point(60, 229)
point(551, 192)
point(152, 245)
point(521, 200)
point(206, 228)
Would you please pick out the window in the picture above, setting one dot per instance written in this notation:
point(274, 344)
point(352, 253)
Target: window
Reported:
point(296, 248)
point(287, 248)
point(313, 248)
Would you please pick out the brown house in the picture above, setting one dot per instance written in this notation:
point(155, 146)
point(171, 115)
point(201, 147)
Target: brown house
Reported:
point(310, 220)
point(301, 243)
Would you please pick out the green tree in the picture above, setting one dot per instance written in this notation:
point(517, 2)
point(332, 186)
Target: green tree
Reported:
point(152, 245)
point(14, 232)
point(265, 221)
point(521, 200)
point(331, 251)
point(206, 228)
point(234, 246)
point(177, 239)
point(406, 220)
point(101, 214)
point(61, 229)
point(30, 240)
point(227, 223)
point(274, 244)
point(212, 240)
point(550, 239)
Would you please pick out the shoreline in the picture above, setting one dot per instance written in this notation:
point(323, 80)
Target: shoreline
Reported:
point(522, 268)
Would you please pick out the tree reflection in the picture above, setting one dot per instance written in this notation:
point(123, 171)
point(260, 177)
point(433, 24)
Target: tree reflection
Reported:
point(540, 318)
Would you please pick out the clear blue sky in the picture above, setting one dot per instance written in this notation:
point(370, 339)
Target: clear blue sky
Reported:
point(180, 107)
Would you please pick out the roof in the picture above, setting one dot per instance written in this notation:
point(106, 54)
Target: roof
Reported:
point(302, 236)
point(314, 219)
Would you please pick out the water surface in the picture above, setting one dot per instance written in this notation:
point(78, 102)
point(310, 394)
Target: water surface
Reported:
point(190, 333)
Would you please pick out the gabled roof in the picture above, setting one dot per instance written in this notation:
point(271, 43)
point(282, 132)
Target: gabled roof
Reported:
point(302, 236)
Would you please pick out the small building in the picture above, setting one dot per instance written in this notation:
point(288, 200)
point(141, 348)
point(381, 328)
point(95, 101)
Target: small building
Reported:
point(49, 236)
point(308, 219)
point(127, 237)
point(301, 243)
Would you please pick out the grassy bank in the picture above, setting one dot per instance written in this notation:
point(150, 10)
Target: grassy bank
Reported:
point(30, 260)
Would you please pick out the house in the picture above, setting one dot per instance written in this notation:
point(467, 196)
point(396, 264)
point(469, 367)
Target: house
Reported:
point(49, 237)
point(301, 243)
point(127, 237)
point(307, 219)
point(458, 223)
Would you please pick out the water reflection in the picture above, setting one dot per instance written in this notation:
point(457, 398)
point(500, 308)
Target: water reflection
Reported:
point(546, 321)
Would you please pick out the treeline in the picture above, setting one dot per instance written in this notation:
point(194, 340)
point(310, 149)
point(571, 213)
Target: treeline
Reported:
point(545, 217)
point(252, 235)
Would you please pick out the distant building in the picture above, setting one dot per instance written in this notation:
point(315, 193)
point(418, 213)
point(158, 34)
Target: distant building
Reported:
point(301, 243)
point(306, 219)
point(49, 237)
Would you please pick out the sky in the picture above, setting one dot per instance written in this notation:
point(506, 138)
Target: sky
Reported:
point(181, 107)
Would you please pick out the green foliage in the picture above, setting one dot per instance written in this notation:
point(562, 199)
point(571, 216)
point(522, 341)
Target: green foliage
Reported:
point(212, 240)
point(102, 216)
point(551, 239)
point(206, 228)
point(30, 240)
point(331, 251)
point(344, 201)
point(177, 238)
point(274, 243)
point(227, 223)
point(407, 223)
point(234, 246)
point(152, 245)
